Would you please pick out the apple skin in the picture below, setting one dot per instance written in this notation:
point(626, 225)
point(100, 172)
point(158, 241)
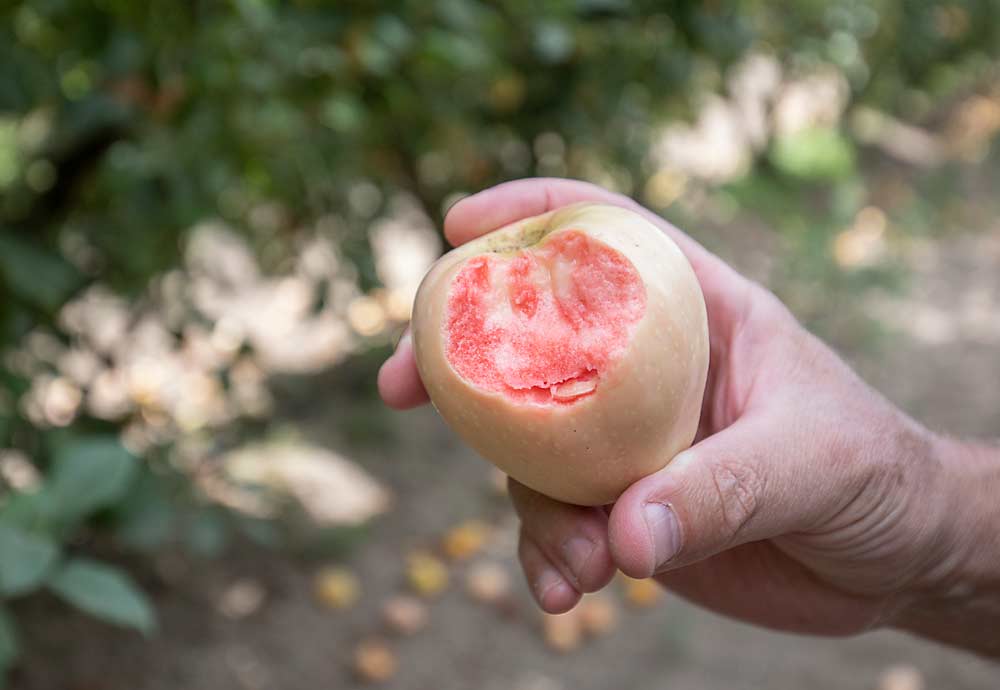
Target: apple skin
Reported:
point(647, 404)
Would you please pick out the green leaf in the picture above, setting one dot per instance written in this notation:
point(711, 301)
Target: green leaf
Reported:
point(41, 278)
point(149, 528)
point(10, 649)
point(25, 560)
point(105, 593)
point(10, 163)
point(814, 154)
point(145, 518)
point(89, 474)
point(30, 511)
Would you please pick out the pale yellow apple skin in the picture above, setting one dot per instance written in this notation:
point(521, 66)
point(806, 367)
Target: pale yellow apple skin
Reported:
point(647, 403)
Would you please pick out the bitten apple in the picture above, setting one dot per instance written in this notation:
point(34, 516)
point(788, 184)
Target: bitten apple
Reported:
point(570, 349)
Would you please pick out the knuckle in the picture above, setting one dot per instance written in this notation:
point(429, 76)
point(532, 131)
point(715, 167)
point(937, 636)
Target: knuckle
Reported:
point(738, 487)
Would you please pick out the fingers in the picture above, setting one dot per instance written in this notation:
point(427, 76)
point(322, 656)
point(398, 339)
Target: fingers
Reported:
point(399, 382)
point(549, 588)
point(738, 486)
point(506, 203)
point(572, 539)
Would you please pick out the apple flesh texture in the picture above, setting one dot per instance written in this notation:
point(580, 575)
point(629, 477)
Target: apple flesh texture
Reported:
point(569, 349)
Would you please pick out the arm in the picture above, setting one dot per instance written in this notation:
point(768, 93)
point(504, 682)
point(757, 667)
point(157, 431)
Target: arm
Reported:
point(959, 604)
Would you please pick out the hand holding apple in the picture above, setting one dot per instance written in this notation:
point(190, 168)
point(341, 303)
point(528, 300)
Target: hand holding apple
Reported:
point(808, 502)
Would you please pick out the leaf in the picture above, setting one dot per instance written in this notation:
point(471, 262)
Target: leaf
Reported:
point(10, 163)
point(41, 278)
point(90, 474)
point(145, 517)
point(10, 649)
point(29, 511)
point(25, 560)
point(105, 593)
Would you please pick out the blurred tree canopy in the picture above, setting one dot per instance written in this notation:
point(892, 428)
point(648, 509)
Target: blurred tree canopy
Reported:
point(123, 124)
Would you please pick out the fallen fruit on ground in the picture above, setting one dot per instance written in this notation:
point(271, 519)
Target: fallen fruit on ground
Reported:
point(427, 575)
point(570, 349)
point(466, 539)
point(598, 615)
point(562, 632)
point(642, 594)
point(405, 615)
point(487, 583)
point(374, 661)
point(337, 588)
point(241, 599)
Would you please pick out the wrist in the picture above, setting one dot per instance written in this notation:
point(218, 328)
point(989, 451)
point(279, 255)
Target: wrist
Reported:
point(956, 600)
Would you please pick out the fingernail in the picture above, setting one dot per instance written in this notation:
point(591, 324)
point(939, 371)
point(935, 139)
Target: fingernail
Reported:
point(576, 552)
point(548, 582)
point(664, 532)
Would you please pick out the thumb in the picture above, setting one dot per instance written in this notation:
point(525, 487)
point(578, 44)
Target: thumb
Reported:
point(734, 487)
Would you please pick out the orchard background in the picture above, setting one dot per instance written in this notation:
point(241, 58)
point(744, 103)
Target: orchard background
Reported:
point(213, 217)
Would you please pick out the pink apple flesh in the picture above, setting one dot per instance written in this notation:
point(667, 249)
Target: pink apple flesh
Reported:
point(541, 326)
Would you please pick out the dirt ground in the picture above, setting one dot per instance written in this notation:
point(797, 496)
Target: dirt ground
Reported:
point(939, 360)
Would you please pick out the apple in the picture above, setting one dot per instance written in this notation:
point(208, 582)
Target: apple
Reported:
point(570, 349)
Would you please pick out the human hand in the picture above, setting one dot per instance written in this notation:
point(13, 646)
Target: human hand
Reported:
point(808, 502)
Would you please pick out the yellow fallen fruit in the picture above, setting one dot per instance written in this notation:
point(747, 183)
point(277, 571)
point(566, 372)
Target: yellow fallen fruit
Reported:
point(563, 632)
point(466, 540)
point(598, 615)
point(374, 661)
point(487, 583)
point(337, 588)
point(642, 593)
point(427, 575)
point(405, 615)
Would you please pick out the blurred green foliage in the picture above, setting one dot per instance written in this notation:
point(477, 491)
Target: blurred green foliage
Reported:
point(123, 123)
